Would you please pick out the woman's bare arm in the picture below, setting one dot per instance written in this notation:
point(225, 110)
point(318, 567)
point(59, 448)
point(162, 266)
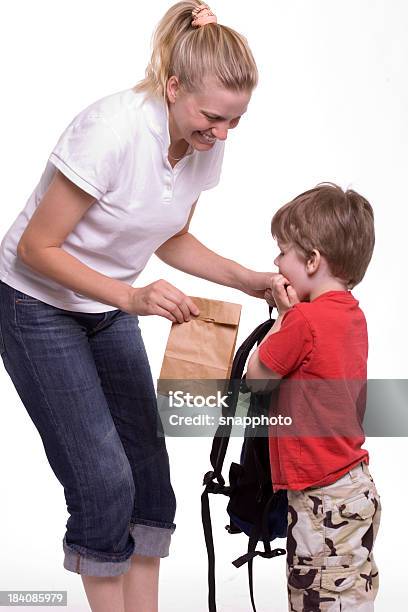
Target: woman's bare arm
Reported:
point(61, 208)
point(184, 252)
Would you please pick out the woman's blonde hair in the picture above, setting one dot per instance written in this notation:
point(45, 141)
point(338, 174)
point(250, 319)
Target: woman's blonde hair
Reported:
point(193, 53)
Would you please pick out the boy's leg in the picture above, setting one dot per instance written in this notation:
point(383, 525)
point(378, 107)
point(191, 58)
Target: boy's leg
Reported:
point(331, 533)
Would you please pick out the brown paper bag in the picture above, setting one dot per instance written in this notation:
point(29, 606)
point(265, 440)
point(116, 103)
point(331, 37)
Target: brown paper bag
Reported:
point(202, 348)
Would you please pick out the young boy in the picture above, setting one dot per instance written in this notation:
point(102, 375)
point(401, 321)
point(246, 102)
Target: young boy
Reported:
point(318, 347)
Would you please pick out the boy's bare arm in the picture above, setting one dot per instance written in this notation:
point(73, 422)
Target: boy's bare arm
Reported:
point(260, 377)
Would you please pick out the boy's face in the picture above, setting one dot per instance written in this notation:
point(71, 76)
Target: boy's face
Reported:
point(293, 267)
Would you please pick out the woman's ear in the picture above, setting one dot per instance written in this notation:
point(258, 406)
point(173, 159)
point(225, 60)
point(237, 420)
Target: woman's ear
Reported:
point(172, 88)
point(313, 261)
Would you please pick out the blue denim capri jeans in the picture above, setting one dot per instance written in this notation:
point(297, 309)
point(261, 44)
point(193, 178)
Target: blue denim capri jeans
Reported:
point(85, 381)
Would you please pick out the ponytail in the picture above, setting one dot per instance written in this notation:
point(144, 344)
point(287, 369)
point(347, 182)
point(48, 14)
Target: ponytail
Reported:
point(194, 53)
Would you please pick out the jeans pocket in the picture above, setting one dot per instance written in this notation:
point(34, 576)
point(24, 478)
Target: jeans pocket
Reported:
point(28, 309)
point(24, 298)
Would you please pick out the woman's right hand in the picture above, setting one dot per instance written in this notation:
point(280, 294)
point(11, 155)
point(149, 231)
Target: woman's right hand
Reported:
point(162, 299)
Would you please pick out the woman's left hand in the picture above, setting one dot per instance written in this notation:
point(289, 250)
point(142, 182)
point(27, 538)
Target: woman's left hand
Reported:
point(257, 283)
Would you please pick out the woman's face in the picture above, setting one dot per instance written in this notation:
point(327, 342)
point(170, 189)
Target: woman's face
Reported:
point(202, 117)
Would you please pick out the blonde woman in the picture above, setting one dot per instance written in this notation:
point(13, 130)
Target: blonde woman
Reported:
point(121, 184)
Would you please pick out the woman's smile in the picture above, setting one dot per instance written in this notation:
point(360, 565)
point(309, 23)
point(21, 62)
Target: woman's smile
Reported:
point(205, 137)
point(202, 117)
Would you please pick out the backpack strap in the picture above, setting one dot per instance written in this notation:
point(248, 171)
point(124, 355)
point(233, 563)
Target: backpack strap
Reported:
point(219, 449)
point(260, 526)
point(223, 432)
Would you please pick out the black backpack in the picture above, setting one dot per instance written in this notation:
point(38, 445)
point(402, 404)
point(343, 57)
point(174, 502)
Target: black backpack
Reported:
point(253, 507)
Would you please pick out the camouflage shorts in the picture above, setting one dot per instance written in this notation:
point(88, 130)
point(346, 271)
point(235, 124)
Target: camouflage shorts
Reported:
point(331, 533)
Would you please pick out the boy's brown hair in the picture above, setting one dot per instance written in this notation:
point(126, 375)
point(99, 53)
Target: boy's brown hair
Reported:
point(339, 224)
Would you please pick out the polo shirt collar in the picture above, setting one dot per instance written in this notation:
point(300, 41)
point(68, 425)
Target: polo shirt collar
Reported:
point(157, 115)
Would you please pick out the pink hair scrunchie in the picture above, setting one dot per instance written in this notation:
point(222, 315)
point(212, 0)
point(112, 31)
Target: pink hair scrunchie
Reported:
point(203, 15)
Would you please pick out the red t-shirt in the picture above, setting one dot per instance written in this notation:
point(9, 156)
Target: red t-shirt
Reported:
point(321, 352)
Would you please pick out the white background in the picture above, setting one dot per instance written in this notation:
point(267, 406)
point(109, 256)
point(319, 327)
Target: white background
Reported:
point(331, 105)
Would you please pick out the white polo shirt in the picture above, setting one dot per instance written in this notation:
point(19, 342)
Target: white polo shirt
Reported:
point(116, 150)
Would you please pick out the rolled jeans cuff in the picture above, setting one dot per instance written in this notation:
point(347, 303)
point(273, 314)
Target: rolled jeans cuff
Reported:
point(148, 541)
point(151, 541)
point(83, 561)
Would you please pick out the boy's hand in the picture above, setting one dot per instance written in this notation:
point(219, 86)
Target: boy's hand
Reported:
point(282, 293)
